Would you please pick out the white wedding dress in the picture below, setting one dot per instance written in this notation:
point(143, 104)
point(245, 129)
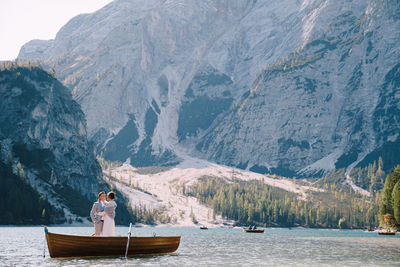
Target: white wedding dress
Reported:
point(109, 215)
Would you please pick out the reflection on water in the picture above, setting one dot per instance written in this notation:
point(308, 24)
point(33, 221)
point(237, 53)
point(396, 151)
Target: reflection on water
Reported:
point(214, 247)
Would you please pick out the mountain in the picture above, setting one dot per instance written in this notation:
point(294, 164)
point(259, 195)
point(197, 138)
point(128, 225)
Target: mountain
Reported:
point(46, 159)
point(291, 87)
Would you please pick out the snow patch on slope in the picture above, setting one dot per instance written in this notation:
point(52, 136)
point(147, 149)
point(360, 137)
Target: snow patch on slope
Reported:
point(325, 164)
point(356, 188)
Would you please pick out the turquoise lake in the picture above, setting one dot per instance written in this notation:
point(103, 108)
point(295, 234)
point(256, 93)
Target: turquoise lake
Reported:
point(23, 246)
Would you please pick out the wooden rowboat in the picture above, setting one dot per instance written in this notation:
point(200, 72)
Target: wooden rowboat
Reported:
point(247, 230)
point(386, 233)
point(61, 245)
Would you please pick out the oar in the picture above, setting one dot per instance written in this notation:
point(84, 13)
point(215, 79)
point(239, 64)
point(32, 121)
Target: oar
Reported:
point(44, 241)
point(127, 243)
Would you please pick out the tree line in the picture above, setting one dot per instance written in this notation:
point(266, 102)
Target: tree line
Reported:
point(384, 188)
point(255, 203)
point(390, 200)
point(20, 203)
point(371, 177)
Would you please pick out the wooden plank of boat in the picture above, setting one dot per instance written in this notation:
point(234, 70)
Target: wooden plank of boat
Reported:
point(61, 245)
point(253, 230)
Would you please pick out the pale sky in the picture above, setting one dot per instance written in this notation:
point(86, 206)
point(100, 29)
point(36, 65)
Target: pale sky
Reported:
point(24, 20)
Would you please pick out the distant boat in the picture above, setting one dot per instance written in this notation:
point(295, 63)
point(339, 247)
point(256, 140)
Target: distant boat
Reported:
point(247, 230)
point(203, 227)
point(386, 233)
point(64, 246)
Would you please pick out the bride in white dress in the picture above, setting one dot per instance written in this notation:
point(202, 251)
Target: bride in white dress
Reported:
point(109, 215)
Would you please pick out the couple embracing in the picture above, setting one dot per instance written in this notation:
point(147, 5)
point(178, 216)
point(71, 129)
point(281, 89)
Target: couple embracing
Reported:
point(103, 214)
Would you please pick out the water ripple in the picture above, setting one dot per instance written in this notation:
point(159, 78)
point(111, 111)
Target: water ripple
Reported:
point(219, 247)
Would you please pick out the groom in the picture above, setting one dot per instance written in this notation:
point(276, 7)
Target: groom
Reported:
point(98, 207)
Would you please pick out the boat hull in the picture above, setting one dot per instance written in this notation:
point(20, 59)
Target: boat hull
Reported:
point(386, 233)
point(253, 231)
point(61, 245)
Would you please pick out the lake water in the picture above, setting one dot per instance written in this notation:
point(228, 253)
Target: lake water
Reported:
point(23, 246)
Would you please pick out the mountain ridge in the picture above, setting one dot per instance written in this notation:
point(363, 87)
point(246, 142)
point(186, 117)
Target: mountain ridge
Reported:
point(287, 87)
point(44, 146)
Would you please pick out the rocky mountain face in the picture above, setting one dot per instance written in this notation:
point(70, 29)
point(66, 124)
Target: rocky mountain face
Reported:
point(290, 87)
point(43, 140)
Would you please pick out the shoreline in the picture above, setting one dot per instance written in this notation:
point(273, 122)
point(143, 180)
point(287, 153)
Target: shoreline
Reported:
point(189, 226)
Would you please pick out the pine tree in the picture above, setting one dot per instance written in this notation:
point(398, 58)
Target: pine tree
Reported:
point(396, 202)
point(380, 171)
point(20, 171)
point(386, 195)
point(10, 157)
